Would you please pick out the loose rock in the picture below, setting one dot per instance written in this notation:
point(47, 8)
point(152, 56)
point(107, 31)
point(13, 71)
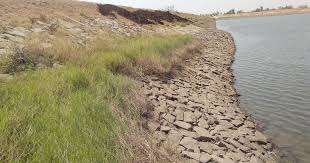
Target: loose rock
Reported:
point(189, 116)
point(190, 144)
point(183, 124)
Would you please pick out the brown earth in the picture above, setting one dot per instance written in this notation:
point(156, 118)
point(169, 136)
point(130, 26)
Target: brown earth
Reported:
point(141, 16)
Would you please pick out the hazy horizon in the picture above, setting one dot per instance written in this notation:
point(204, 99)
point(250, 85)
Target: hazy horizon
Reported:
point(205, 6)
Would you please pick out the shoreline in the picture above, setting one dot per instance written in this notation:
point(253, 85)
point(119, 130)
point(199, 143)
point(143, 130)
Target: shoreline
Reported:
point(194, 111)
point(283, 153)
point(197, 112)
point(259, 126)
point(282, 12)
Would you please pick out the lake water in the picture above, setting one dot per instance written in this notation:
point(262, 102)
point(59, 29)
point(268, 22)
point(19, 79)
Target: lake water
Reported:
point(272, 70)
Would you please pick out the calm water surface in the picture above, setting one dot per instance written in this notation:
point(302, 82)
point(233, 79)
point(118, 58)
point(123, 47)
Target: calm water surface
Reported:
point(272, 70)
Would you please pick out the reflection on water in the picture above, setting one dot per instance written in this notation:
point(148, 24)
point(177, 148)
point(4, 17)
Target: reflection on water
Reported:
point(272, 70)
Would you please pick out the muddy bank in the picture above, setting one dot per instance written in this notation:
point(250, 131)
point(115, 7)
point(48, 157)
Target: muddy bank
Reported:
point(196, 111)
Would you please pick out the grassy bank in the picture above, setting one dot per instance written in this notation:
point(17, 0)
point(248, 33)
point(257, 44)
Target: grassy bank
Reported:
point(66, 114)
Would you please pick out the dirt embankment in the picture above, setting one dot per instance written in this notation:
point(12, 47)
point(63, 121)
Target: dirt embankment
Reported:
point(142, 16)
point(29, 26)
point(277, 12)
point(193, 112)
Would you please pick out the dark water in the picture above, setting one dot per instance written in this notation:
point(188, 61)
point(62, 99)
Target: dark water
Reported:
point(272, 70)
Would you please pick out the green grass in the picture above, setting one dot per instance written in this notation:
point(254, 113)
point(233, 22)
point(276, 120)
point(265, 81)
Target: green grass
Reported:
point(66, 115)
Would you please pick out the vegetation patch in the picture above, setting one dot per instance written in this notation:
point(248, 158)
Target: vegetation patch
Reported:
point(68, 114)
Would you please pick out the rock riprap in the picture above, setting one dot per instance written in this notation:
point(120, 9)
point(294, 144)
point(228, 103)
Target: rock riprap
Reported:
point(197, 112)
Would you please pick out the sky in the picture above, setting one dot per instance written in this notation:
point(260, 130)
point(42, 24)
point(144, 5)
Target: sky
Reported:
point(204, 6)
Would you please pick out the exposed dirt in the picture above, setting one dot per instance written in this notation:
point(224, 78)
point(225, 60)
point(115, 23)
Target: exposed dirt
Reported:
point(141, 16)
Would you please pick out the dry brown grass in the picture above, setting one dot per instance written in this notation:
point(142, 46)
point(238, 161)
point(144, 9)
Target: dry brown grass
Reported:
point(18, 12)
point(203, 21)
point(2, 29)
point(150, 66)
point(154, 66)
point(141, 145)
point(180, 57)
point(6, 64)
point(42, 18)
point(185, 53)
point(91, 89)
point(60, 50)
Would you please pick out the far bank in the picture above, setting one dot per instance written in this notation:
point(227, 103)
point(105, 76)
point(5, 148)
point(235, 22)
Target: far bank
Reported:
point(277, 12)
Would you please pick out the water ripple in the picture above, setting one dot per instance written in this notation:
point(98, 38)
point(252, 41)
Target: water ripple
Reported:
point(273, 76)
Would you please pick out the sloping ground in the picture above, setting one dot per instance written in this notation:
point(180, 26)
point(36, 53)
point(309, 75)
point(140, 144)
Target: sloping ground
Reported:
point(196, 111)
point(30, 26)
point(141, 16)
point(74, 113)
point(18, 12)
point(73, 82)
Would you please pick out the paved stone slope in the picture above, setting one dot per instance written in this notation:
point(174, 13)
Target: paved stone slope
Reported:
point(197, 113)
point(82, 34)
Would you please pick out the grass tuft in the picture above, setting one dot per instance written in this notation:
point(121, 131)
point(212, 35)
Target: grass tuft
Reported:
point(66, 114)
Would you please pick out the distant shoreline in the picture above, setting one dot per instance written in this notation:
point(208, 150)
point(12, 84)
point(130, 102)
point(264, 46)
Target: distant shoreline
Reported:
point(277, 12)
